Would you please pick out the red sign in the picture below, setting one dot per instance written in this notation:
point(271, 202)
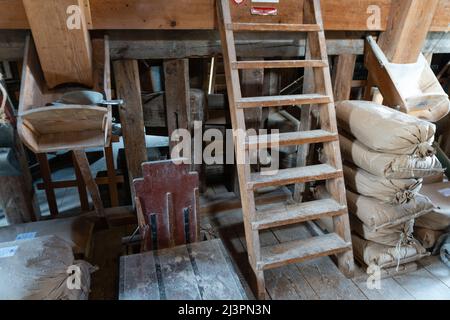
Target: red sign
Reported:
point(264, 11)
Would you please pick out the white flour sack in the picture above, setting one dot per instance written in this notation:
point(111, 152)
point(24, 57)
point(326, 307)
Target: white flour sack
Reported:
point(372, 253)
point(400, 234)
point(387, 165)
point(376, 214)
point(394, 191)
point(39, 269)
point(438, 219)
point(386, 130)
point(427, 237)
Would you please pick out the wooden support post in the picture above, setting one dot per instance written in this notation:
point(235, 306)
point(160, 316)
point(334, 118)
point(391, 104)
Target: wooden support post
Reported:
point(131, 117)
point(177, 88)
point(112, 180)
point(46, 175)
point(13, 200)
point(344, 67)
point(252, 86)
point(85, 170)
point(81, 186)
point(17, 195)
point(305, 125)
point(408, 25)
point(62, 40)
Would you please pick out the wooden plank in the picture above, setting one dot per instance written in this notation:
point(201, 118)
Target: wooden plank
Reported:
point(251, 86)
point(112, 181)
point(138, 278)
point(290, 138)
point(177, 274)
point(238, 121)
point(65, 54)
point(88, 179)
point(279, 101)
point(81, 186)
point(273, 27)
point(274, 64)
point(215, 276)
point(389, 288)
point(306, 124)
point(229, 201)
point(128, 88)
point(177, 92)
point(301, 250)
point(423, 285)
point(294, 175)
point(408, 25)
point(322, 274)
point(177, 44)
point(199, 14)
point(287, 282)
point(438, 269)
point(343, 70)
point(291, 214)
point(74, 183)
point(46, 175)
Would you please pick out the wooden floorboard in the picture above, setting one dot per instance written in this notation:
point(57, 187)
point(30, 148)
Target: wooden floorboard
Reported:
point(310, 280)
point(437, 269)
point(423, 285)
point(322, 274)
point(320, 278)
point(388, 289)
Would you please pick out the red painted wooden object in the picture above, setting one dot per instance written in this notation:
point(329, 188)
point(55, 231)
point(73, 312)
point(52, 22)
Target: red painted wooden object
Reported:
point(167, 204)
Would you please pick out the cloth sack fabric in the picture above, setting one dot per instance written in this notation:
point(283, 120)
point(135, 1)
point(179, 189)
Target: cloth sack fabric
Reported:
point(386, 130)
point(39, 269)
point(382, 256)
point(390, 166)
point(376, 214)
point(397, 235)
point(394, 191)
point(427, 237)
point(76, 231)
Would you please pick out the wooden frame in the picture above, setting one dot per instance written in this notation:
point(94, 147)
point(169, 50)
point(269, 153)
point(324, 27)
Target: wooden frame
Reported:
point(396, 81)
point(67, 127)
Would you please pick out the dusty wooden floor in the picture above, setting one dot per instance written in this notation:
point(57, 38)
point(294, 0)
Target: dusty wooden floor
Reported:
point(315, 279)
point(320, 278)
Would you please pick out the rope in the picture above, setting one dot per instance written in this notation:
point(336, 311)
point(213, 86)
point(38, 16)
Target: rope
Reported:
point(406, 238)
point(2, 106)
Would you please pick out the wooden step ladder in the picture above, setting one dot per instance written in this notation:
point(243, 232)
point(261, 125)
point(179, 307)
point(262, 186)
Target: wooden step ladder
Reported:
point(337, 243)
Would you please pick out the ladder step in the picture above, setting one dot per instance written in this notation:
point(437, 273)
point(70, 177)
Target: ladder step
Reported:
point(292, 214)
point(293, 175)
point(290, 139)
point(279, 64)
point(278, 101)
point(274, 27)
point(299, 250)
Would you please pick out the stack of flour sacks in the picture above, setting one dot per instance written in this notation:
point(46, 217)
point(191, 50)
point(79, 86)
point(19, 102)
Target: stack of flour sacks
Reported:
point(385, 154)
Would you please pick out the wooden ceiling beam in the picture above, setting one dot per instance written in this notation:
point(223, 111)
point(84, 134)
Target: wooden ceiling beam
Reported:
point(200, 14)
point(63, 43)
point(408, 26)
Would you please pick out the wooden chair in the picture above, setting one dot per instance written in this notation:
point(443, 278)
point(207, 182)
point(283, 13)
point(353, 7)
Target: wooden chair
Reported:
point(167, 205)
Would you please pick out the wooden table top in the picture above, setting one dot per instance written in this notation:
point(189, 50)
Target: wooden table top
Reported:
point(197, 271)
